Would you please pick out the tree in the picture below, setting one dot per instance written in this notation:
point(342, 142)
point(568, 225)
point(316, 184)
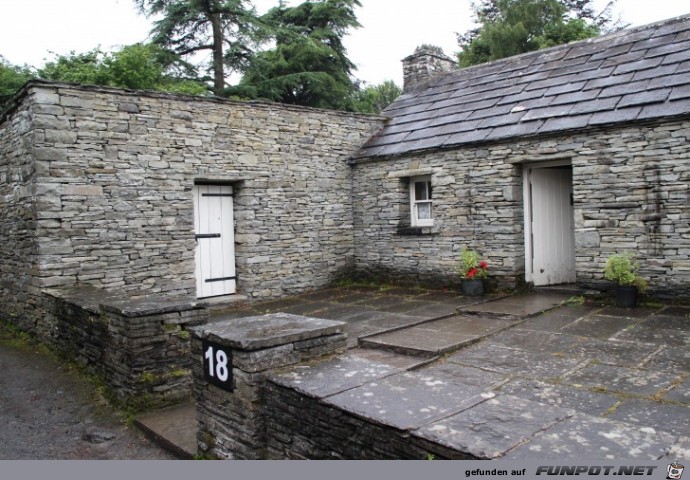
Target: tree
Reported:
point(12, 77)
point(138, 66)
point(375, 98)
point(309, 64)
point(511, 27)
point(227, 28)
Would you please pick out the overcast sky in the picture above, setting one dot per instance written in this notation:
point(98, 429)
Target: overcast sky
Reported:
point(391, 29)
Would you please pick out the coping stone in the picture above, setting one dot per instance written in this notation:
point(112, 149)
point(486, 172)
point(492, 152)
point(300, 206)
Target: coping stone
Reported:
point(273, 329)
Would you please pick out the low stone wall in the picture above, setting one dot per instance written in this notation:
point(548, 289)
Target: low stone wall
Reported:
point(139, 347)
point(328, 433)
point(233, 416)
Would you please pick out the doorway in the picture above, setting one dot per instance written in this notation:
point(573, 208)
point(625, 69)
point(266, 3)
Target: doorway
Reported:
point(549, 224)
point(215, 240)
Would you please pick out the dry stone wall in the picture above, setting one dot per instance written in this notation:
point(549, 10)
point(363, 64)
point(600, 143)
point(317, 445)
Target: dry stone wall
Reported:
point(631, 193)
point(18, 219)
point(110, 175)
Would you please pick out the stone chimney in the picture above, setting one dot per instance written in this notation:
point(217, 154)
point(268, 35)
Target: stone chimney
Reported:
point(425, 63)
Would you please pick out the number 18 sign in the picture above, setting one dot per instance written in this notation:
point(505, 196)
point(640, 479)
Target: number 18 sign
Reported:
point(217, 365)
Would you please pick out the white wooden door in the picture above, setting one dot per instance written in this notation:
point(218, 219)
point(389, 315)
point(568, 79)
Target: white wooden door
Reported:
point(551, 226)
point(215, 240)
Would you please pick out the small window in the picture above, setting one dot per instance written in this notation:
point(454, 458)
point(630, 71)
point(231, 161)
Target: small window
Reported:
point(420, 201)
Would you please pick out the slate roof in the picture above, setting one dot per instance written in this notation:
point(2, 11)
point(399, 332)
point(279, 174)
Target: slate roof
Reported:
point(630, 75)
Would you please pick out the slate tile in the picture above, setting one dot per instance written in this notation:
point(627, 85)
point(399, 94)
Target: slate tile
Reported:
point(576, 97)
point(585, 436)
point(599, 326)
point(531, 341)
point(655, 42)
point(663, 417)
point(642, 98)
point(677, 57)
point(548, 112)
point(669, 81)
point(615, 116)
point(656, 72)
point(517, 362)
point(407, 400)
point(620, 379)
point(333, 376)
point(669, 48)
point(624, 88)
point(519, 130)
point(680, 393)
point(565, 123)
point(592, 106)
point(563, 396)
point(652, 332)
point(671, 359)
point(612, 353)
point(493, 427)
point(609, 81)
point(612, 52)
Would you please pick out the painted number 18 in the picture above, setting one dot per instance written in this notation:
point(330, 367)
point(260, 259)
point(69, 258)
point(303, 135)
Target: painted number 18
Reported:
point(217, 364)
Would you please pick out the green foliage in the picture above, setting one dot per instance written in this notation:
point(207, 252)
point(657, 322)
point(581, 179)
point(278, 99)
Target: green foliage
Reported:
point(138, 66)
point(308, 65)
point(229, 29)
point(511, 27)
point(472, 266)
point(375, 98)
point(622, 269)
point(12, 77)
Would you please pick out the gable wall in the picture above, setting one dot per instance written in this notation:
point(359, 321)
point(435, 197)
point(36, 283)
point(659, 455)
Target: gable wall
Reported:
point(631, 192)
point(114, 173)
point(18, 222)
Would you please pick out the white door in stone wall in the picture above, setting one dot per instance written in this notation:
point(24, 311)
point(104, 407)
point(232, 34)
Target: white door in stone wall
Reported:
point(215, 240)
point(550, 241)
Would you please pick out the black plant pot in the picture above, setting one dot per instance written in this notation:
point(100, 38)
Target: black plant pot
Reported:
point(473, 287)
point(626, 296)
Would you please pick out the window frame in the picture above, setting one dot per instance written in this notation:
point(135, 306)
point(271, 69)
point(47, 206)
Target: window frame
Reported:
point(415, 221)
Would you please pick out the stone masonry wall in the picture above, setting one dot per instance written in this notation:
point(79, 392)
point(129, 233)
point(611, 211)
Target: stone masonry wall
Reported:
point(477, 202)
point(631, 192)
point(114, 172)
point(140, 348)
point(18, 219)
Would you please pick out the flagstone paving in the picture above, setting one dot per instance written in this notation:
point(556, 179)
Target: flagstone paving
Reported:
point(516, 377)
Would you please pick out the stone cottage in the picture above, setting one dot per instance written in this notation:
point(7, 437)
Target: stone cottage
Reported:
point(545, 163)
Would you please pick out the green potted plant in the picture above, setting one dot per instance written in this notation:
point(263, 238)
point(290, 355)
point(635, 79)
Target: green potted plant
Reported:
point(622, 269)
point(472, 271)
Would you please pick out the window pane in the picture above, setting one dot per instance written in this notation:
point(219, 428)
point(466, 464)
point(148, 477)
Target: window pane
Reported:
point(420, 191)
point(424, 211)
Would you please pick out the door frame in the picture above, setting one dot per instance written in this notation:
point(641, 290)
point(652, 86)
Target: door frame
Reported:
point(528, 209)
point(229, 278)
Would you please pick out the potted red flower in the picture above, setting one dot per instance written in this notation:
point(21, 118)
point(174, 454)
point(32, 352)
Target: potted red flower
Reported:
point(473, 270)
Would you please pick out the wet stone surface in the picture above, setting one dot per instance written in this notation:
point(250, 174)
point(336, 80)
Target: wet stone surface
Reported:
point(680, 393)
point(620, 379)
point(599, 326)
point(615, 353)
point(564, 396)
point(408, 400)
point(251, 333)
point(519, 362)
point(671, 359)
point(332, 376)
point(674, 419)
point(493, 427)
point(544, 342)
point(585, 436)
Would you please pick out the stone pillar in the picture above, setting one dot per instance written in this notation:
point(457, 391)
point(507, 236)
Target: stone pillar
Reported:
point(230, 360)
point(425, 63)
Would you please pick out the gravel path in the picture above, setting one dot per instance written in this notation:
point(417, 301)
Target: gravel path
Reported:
point(48, 412)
